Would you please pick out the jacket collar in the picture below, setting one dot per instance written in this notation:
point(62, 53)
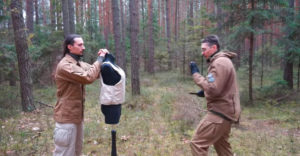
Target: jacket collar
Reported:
point(69, 58)
point(76, 57)
point(227, 54)
point(210, 58)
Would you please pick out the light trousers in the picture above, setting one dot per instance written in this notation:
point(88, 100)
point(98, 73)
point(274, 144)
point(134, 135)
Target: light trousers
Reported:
point(68, 139)
point(212, 130)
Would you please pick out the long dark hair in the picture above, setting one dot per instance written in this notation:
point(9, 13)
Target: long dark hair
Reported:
point(69, 40)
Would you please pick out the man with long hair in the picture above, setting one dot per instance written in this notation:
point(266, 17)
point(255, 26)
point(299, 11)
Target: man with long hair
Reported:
point(71, 76)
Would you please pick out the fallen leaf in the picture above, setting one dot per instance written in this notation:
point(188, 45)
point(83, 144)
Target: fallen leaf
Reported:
point(95, 142)
point(124, 138)
point(35, 128)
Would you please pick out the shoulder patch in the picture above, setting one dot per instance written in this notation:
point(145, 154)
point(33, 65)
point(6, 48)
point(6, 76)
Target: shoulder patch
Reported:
point(210, 78)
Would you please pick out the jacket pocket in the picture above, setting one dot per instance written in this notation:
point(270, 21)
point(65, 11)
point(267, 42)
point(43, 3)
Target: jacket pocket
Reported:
point(62, 137)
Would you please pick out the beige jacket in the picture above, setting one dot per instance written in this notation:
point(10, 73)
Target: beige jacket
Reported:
point(70, 78)
point(220, 86)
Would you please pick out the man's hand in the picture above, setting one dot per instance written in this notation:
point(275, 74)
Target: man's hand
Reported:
point(102, 52)
point(194, 68)
point(200, 93)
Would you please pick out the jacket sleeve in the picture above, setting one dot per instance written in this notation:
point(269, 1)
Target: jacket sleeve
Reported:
point(214, 83)
point(83, 74)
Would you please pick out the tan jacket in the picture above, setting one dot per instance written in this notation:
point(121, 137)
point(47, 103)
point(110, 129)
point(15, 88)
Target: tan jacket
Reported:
point(70, 78)
point(220, 86)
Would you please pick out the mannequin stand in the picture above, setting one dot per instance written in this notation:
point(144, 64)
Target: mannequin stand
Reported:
point(113, 142)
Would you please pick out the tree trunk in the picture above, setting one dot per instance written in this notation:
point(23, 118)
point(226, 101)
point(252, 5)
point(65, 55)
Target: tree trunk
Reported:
point(100, 16)
point(184, 51)
point(269, 61)
point(52, 13)
point(36, 12)
point(89, 19)
point(59, 22)
point(250, 66)
point(81, 8)
point(134, 45)
point(94, 18)
point(144, 39)
point(191, 13)
point(251, 52)
point(123, 32)
point(263, 41)
point(158, 13)
point(2, 14)
point(298, 77)
point(163, 25)
point(71, 16)
point(66, 23)
point(29, 15)
point(179, 11)
point(88, 11)
point(22, 55)
point(44, 12)
point(123, 35)
point(191, 26)
point(168, 34)
point(176, 31)
point(288, 59)
point(150, 37)
point(262, 61)
point(288, 70)
point(107, 22)
point(117, 32)
point(77, 11)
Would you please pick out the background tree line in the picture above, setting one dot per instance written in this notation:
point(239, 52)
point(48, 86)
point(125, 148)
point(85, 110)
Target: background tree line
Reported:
point(148, 35)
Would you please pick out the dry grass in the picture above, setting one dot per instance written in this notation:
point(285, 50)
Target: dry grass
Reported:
point(158, 123)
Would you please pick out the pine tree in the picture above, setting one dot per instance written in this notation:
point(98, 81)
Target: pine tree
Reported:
point(134, 45)
point(245, 20)
point(20, 36)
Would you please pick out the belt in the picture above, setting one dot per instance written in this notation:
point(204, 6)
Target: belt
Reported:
point(221, 115)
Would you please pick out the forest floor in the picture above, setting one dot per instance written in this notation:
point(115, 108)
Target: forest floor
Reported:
point(160, 122)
